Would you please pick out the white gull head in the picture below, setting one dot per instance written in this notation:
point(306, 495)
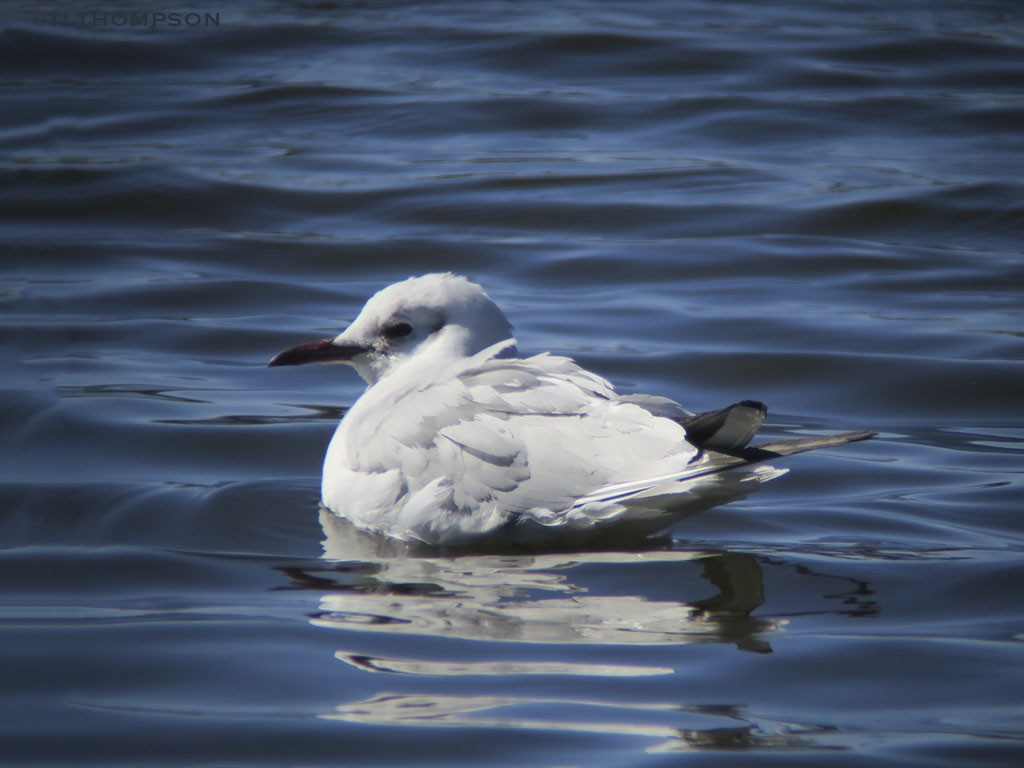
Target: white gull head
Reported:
point(457, 441)
point(432, 320)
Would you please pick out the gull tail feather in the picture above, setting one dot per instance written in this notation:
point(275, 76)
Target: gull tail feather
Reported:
point(779, 448)
point(714, 462)
point(720, 461)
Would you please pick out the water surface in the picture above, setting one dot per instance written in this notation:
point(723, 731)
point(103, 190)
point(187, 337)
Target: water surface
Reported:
point(814, 205)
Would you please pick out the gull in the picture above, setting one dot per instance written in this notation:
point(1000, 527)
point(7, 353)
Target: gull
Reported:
point(457, 440)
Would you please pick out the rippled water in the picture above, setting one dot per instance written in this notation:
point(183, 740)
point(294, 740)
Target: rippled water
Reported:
point(818, 205)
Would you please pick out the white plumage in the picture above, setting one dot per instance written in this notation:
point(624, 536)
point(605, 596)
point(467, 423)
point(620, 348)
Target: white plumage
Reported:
point(456, 440)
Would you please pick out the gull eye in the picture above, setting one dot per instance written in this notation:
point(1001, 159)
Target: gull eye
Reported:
point(397, 331)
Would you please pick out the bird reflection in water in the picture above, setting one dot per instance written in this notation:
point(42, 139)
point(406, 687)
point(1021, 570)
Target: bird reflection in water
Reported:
point(679, 727)
point(372, 585)
point(532, 597)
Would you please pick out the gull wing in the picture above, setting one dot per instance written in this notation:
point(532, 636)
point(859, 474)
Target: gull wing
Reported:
point(574, 432)
point(551, 444)
point(509, 444)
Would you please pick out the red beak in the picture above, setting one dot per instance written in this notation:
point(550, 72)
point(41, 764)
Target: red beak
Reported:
point(319, 351)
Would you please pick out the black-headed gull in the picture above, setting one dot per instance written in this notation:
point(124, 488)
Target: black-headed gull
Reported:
point(457, 440)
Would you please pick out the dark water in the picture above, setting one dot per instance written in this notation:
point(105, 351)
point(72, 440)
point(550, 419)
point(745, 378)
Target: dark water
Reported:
point(816, 204)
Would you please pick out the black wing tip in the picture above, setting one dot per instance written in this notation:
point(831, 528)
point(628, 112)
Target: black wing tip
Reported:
point(842, 438)
point(864, 434)
point(757, 405)
point(779, 448)
point(727, 430)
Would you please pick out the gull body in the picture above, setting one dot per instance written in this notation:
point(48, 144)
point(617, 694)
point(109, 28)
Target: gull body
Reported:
point(457, 440)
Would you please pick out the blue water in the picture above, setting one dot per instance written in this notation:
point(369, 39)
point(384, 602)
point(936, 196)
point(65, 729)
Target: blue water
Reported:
point(817, 205)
